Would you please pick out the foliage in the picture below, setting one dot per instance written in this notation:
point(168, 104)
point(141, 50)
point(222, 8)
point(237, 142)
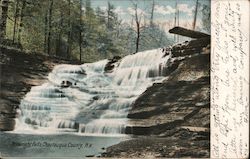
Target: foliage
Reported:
point(64, 27)
point(206, 17)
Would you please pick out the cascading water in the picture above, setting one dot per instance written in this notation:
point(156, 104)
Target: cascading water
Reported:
point(85, 99)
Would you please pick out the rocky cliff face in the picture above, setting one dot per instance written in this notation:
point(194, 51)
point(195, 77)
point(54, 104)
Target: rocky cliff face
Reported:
point(19, 72)
point(170, 119)
point(174, 116)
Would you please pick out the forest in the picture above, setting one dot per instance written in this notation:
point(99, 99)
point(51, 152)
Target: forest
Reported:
point(73, 29)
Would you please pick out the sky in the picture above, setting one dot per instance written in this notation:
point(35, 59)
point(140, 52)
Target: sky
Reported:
point(164, 11)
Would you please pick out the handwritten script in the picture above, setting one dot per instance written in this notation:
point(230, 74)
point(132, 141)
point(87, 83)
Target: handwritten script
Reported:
point(230, 79)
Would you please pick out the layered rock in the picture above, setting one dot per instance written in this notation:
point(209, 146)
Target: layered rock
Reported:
point(172, 118)
point(181, 100)
point(19, 72)
point(190, 48)
point(165, 106)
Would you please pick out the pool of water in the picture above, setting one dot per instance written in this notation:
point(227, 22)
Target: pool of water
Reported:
point(55, 145)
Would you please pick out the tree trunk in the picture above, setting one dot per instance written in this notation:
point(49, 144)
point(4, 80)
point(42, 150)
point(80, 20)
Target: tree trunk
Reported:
point(80, 32)
point(138, 36)
point(21, 21)
point(15, 21)
point(69, 30)
point(58, 47)
point(137, 21)
point(108, 16)
point(152, 14)
point(3, 20)
point(50, 26)
point(195, 14)
point(45, 31)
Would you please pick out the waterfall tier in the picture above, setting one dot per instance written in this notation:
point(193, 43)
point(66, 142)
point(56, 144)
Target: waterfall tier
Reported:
point(85, 99)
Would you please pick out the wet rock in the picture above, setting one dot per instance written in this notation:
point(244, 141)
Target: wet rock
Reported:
point(19, 72)
point(111, 64)
point(167, 51)
point(66, 84)
point(76, 126)
point(104, 154)
point(27, 121)
point(96, 97)
point(34, 122)
point(173, 117)
point(171, 67)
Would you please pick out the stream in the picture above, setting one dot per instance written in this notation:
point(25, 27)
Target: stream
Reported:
point(81, 105)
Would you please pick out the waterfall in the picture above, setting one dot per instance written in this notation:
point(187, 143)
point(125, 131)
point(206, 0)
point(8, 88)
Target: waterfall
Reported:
point(85, 99)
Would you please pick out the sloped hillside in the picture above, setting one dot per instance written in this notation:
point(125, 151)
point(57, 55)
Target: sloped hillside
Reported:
point(172, 119)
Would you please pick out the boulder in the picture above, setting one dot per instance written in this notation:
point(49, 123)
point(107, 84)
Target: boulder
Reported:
point(111, 64)
point(66, 84)
point(192, 47)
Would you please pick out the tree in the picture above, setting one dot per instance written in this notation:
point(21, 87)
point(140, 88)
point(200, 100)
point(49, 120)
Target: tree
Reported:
point(111, 16)
point(206, 17)
point(153, 37)
point(46, 31)
point(69, 29)
point(72, 29)
point(21, 20)
point(101, 15)
point(152, 13)
point(138, 27)
point(60, 32)
point(195, 14)
point(136, 19)
point(3, 20)
point(15, 20)
point(80, 31)
point(49, 25)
